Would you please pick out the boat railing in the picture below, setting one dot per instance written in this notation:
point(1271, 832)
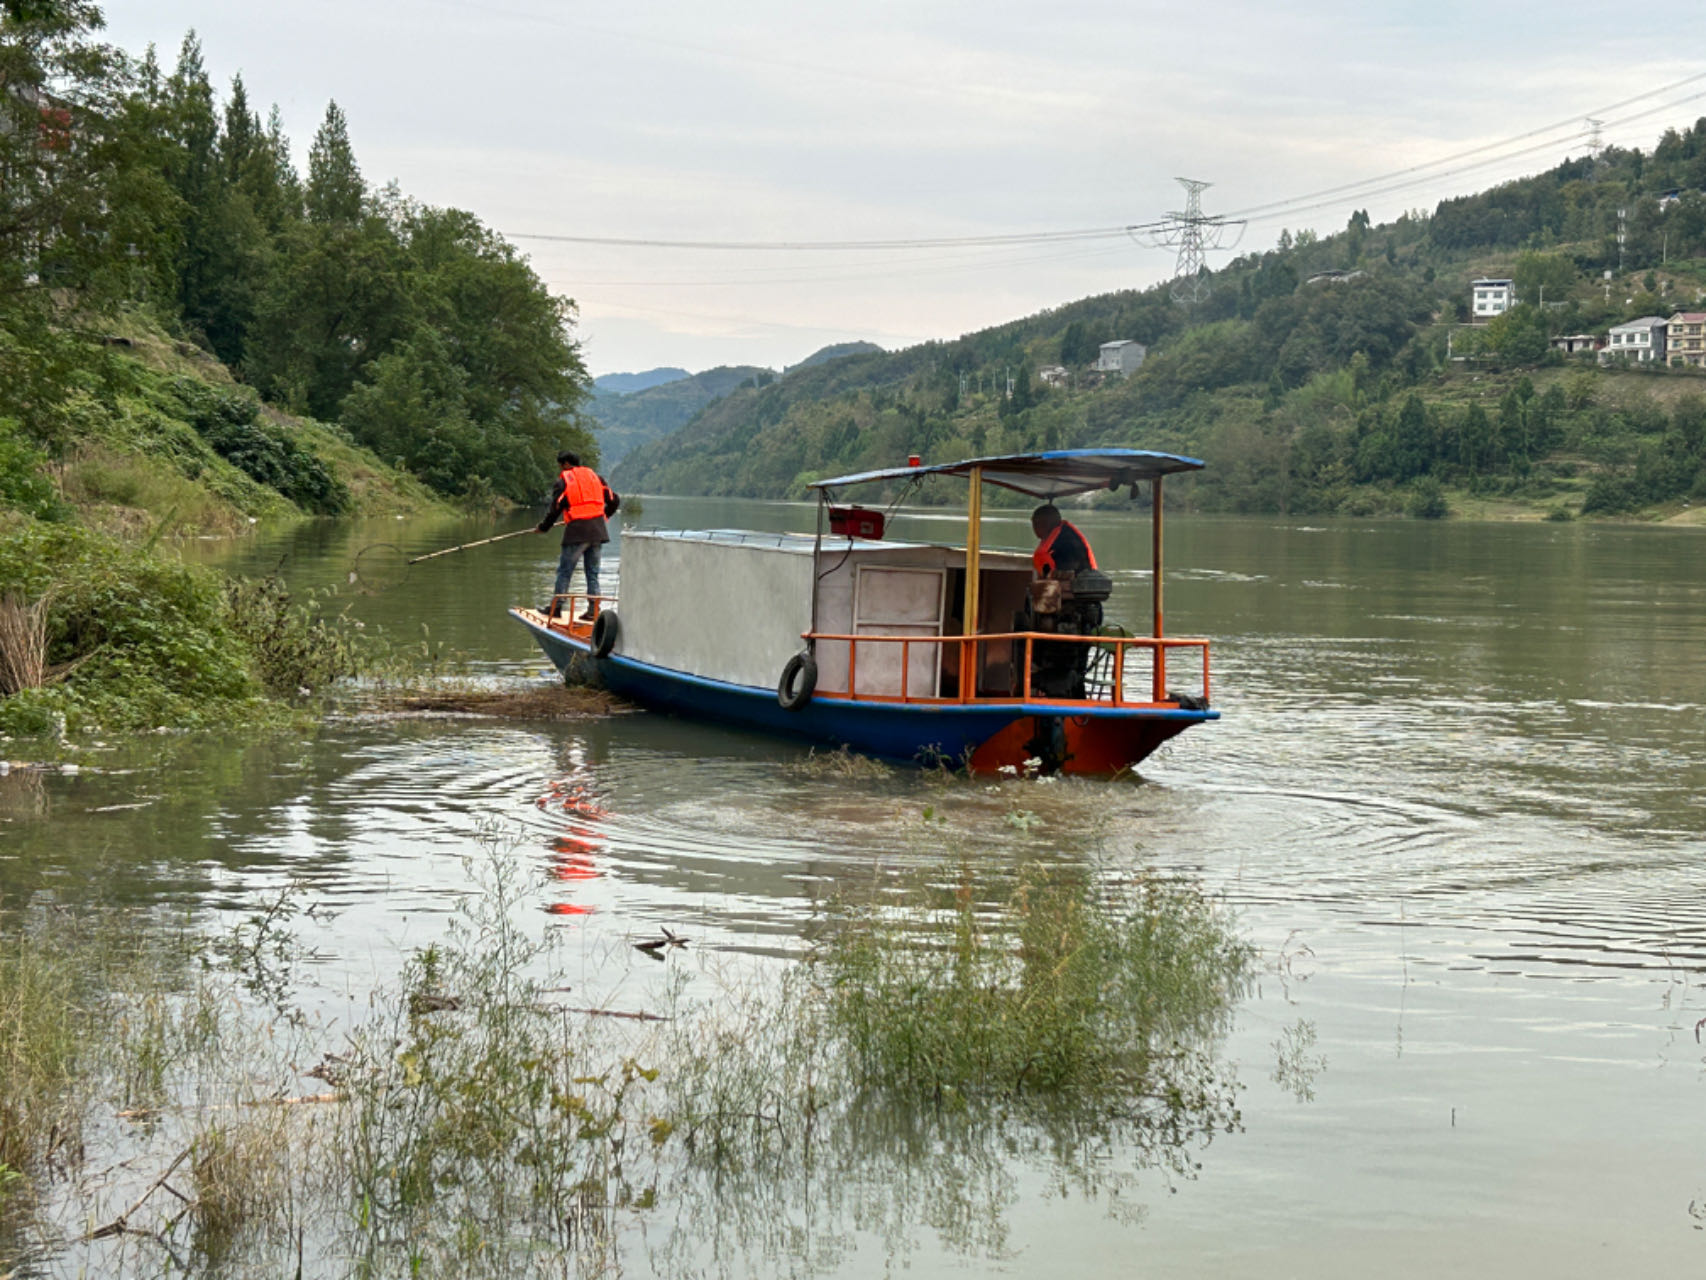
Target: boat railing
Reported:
point(1107, 680)
point(567, 607)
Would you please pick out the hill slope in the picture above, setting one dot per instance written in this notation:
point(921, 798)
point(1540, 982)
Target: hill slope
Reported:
point(1343, 394)
point(625, 422)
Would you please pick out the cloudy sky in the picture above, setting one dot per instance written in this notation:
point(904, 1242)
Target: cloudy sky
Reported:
point(936, 119)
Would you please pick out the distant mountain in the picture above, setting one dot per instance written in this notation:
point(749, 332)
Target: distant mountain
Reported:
point(628, 421)
point(623, 384)
point(834, 352)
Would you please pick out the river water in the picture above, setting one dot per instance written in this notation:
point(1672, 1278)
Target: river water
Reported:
point(1457, 797)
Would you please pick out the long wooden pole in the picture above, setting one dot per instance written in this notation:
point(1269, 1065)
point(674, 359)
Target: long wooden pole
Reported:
point(466, 545)
point(1159, 693)
point(974, 549)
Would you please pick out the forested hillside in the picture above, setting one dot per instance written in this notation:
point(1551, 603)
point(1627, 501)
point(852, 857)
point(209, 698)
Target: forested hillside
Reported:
point(140, 200)
point(1346, 393)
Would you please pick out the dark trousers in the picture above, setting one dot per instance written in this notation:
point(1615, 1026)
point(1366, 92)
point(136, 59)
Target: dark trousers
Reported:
point(573, 553)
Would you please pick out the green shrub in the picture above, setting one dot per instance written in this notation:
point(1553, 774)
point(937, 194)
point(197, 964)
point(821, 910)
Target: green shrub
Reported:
point(24, 485)
point(1427, 500)
point(292, 647)
point(149, 637)
point(231, 424)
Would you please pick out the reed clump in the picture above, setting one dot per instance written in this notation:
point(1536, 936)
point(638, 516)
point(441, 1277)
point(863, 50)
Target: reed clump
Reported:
point(23, 645)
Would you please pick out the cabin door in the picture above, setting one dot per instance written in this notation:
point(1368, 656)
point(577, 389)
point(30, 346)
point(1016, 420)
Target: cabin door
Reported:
point(897, 602)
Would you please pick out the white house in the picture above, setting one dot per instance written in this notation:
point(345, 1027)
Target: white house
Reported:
point(1124, 357)
point(1642, 340)
point(1053, 375)
point(1491, 298)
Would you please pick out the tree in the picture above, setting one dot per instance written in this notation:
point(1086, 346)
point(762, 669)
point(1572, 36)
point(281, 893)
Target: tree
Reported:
point(1078, 345)
point(1539, 276)
point(335, 187)
point(85, 216)
point(193, 170)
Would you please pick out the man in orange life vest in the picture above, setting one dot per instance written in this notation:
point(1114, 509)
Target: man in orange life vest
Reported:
point(1061, 549)
point(1058, 669)
point(583, 501)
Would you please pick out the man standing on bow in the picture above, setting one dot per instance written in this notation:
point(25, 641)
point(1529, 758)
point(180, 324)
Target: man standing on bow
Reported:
point(583, 501)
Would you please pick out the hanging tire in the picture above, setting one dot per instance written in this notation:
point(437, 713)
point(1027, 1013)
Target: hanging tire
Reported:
point(799, 679)
point(605, 629)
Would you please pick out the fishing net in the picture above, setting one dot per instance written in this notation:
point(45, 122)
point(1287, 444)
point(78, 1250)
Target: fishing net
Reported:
point(377, 568)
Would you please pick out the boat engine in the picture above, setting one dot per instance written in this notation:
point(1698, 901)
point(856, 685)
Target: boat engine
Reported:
point(1070, 604)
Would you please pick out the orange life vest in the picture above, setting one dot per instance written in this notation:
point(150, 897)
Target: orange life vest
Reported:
point(583, 494)
point(1042, 559)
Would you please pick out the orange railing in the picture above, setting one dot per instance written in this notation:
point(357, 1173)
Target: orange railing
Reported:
point(1111, 685)
point(572, 611)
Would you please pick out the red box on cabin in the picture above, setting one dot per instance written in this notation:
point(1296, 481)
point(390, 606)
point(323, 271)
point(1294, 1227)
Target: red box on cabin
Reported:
point(856, 522)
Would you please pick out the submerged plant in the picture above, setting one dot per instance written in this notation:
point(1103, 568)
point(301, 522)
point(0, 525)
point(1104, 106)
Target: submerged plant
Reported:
point(488, 1129)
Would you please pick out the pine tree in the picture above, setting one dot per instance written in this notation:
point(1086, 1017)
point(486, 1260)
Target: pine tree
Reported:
point(193, 171)
point(335, 188)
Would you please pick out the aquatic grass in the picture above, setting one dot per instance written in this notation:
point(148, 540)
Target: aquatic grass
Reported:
point(843, 762)
point(42, 1051)
point(489, 1130)
point(1074, 985)
point(944, 1031)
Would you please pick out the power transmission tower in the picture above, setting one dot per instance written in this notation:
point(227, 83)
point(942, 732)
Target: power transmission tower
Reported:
point(1596, 143)
point(1193, 233)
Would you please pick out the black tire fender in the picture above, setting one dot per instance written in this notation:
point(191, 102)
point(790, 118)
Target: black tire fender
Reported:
point(605, 629)
point(799, 680)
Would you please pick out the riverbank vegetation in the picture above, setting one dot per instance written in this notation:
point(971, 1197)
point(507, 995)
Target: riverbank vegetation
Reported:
point(100, 635)
point(482, 1118)
point(1334, 373)
point(195, 338)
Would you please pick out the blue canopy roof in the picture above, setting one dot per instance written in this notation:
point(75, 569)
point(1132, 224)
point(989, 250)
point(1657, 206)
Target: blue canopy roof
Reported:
point(1059, 473)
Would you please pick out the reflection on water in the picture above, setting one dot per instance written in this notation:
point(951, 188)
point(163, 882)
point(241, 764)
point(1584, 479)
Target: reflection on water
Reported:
point(1464, 766)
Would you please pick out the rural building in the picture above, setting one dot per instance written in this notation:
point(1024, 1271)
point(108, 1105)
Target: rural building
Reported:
point(1576, 343)
point(1054, 375)
point(1124, 357)
point(1491, 298)
point(1642, 340)
point(1685, 338)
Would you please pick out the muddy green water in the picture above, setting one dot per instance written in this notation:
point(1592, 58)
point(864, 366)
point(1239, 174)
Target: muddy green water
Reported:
point(1458, 797)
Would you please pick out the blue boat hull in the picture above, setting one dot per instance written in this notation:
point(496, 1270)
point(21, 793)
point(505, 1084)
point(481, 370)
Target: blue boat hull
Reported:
point(990, 736)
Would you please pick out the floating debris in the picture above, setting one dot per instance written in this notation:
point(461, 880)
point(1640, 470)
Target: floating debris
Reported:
point(654, 947)
point(553, 701)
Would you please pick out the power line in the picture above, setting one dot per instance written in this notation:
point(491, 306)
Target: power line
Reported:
point(1291, 209)
point(1575, 121)
point(922, 242)
point(1367, 188)
point(1193, 233)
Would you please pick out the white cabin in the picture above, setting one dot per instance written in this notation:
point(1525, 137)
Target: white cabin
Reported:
point(733, 606)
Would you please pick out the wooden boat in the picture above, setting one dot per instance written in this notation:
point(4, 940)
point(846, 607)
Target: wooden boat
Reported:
point(849, 639)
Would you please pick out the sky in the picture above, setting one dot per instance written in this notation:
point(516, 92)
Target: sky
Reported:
point(936, 119)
